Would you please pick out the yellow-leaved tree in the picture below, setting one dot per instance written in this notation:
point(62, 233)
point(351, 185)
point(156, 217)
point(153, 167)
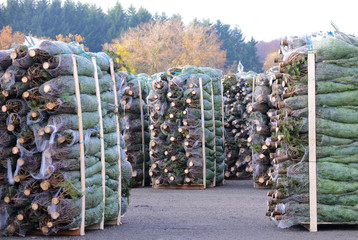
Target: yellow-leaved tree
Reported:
point(72, 38)
point(156, 46)
point(8, 38)
point(270, 60)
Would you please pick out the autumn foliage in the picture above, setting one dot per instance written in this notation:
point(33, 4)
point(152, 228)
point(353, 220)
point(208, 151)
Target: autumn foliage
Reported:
point(70, 38)
point(156, 46)
point(270, 60)
point(8, 38)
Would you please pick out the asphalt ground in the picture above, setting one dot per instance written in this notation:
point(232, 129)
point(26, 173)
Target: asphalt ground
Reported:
point(233, 211)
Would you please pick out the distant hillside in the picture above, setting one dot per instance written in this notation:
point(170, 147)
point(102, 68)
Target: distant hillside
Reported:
point(264, 48)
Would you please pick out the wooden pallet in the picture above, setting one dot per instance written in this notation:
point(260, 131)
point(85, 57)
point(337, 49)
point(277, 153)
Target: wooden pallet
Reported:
point(220, 183)
point(257, 186)
point(307, 224)
point(187, 186)
point(180, 186)
point(74, 232)
point(113, 222)
point(238, 178)
point(216, 185)
point(68, 232)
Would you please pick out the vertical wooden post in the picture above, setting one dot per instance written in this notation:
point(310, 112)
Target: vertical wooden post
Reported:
point(253, 100)
point(214, 127)
point(82, 147)
point(118, 142)
point(312, 141)
point(222, 118)
point(142, 123)
point(253, 89)
point(103, 161)
point(203, 130)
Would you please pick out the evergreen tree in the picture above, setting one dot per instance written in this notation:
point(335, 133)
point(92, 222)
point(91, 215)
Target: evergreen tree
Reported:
point(44, 18)
point(143, 16)
point(119, 21)
point(135, 18)
point(55, 23)
point(176, 17)
point(162, 17)
point(39, 17)
point(1, 13)
point(9, 12)
point(132, 16)
point(237, 49)
point(95, 28)
point(252, 61)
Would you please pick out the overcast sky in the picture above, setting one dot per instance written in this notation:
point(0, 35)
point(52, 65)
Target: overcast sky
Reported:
point(261, 19)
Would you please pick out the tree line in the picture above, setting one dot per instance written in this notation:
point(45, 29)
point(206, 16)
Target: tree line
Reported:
point(44, 18)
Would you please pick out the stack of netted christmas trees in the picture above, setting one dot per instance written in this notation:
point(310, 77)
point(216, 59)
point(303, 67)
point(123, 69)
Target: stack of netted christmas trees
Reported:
point(135, 125)
point(41, 185)
point(186, 146)
point(336, 68)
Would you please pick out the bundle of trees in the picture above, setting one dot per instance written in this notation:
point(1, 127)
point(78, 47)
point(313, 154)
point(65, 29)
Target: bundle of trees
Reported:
point(47, 181)
point(259, 128)
point(134, 91)
point(336, 131)
point(186, 127)
point(238, 94)
point(247, 104)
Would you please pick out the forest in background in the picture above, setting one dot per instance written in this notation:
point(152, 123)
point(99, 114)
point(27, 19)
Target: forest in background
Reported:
point(49, 19)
